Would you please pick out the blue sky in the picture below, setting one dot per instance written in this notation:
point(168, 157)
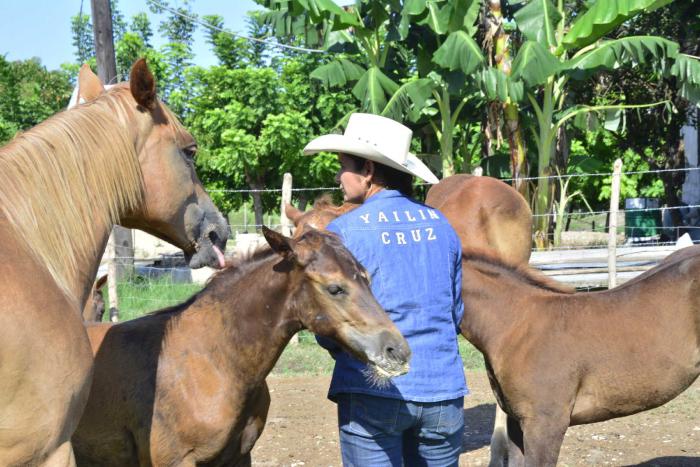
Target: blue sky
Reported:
point(41, 28)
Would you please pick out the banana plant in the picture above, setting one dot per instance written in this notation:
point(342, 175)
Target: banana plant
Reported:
point(381, 51)
point(557, 49)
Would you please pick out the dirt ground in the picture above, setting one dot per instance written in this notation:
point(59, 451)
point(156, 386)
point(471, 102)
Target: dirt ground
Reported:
point(301, 430)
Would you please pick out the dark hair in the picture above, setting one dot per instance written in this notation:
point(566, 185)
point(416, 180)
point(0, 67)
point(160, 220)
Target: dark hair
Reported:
point(389, 178)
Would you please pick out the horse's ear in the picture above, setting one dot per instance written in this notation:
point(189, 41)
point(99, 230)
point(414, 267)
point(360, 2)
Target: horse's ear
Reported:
point(89, 85)
point(293, 213)
point(279, 243)
point(99, 283)
point(143, 85)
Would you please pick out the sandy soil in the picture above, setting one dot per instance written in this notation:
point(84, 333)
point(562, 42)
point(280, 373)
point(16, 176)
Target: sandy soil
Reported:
point(301, 430)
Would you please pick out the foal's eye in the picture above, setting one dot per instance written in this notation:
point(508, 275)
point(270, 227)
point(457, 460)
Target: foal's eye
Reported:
point(335, 289)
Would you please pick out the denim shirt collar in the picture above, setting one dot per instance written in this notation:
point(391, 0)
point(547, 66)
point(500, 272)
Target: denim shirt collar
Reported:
point(384, 194)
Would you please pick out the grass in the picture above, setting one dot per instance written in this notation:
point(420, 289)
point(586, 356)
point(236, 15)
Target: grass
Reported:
point(141, 296)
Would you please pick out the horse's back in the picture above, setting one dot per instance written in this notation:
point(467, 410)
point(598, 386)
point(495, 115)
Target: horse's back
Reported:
point(499, 217)
point(118, 415)
point(96, 333)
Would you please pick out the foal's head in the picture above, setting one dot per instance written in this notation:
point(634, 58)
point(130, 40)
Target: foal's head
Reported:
point(322, 214)
point(333, 299)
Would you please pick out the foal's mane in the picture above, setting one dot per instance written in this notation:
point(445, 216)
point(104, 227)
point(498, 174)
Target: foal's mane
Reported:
point(522, 273)
point(79, 167)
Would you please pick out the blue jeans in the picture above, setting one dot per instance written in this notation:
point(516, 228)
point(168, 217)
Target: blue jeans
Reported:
point(378, 431)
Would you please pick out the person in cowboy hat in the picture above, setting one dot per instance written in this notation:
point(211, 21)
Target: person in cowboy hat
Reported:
point(414, 259)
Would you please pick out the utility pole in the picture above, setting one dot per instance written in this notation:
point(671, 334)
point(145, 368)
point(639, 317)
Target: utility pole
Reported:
point(120, 249)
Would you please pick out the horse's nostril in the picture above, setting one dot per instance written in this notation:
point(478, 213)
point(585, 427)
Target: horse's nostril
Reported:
point(213, 237)
point(394, 353)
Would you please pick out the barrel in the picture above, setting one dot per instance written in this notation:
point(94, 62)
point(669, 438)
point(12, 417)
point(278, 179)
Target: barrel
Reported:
point(640, 223)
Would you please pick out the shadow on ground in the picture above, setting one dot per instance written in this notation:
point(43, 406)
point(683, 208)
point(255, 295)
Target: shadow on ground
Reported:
point(478, 426)
point(670, 461)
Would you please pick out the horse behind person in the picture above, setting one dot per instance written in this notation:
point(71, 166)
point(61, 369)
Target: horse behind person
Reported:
point(186, 385)
point(487, 214)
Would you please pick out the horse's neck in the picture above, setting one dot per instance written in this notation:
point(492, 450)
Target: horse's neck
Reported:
point(251, 319)
point(493, 304)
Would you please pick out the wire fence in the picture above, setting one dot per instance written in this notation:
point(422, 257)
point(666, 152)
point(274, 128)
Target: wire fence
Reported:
point(173, 277)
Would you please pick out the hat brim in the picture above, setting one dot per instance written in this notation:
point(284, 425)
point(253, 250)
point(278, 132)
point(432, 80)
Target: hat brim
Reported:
point(346, 145)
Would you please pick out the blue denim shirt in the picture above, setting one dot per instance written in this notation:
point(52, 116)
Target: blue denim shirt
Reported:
point(414, 259)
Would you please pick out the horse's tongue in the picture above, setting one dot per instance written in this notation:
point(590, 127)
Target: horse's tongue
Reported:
point(219, 256)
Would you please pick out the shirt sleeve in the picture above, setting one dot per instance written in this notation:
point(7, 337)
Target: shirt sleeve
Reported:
point(458, 309)
point(329, 344)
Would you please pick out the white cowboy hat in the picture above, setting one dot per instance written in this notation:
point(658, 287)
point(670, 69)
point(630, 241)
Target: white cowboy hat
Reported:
point(378, 139)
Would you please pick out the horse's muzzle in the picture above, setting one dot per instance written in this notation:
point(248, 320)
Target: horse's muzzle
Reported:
point(387, 352)
point(209, 234)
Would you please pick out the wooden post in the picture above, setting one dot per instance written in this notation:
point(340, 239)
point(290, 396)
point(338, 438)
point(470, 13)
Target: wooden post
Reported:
point(286, 198)
point(120, 255)
point(284, 220)
point(612, 226)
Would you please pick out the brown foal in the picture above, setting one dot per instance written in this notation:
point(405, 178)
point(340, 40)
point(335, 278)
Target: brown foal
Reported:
point(186, 385)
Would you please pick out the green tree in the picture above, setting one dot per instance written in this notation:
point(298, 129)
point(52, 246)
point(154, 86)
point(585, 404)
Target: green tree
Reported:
point(83, 39)
point(292, 110)
point(385, 51)
point(178, 29)
point(29, 94)
point(554, 52)
point(243, 131)
point(119, 25)
point(141, 26)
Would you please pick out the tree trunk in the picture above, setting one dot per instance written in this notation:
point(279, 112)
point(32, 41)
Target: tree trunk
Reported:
point(256, 185)
point(673, 181)
point(503, 60)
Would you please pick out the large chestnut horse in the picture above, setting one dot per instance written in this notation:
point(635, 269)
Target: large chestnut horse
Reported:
point(487, 214)
point(120, 158)
point(186, 385)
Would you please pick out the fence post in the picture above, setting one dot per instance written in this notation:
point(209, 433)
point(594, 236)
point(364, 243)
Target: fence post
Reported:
point(286, 223)
point(286, 198)
point(612, 225)
point(112, 275)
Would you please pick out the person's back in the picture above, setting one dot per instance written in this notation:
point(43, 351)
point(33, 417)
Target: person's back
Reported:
point(413, 257)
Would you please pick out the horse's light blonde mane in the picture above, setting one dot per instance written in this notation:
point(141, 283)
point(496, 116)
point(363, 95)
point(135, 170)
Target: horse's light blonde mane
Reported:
point(76, 169)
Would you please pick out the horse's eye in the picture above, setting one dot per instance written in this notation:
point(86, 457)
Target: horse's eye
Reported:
point(190, 151)
point(335, 289)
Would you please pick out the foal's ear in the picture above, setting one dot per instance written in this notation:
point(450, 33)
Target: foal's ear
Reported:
point(89, 85)
point(143, 85)
point(292, 212)
point(279, 244)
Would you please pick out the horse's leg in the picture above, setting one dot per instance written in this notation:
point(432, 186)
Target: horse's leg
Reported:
point(543, 437)
point(499, 438)
point(516, 451)
point(245, 461)
point(62, 457)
